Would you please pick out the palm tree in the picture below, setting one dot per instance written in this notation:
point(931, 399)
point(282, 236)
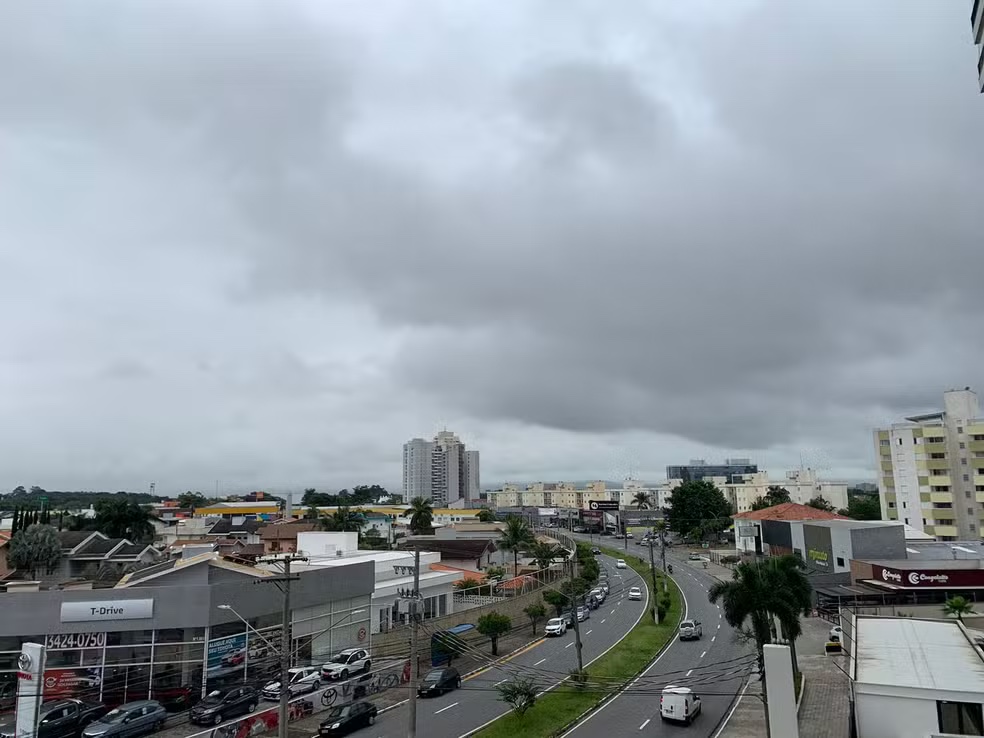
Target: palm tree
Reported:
point(421, 515)
point(546, 553)
point(760, 591)
point(641, 500)
point(516, 537)
point(958, 606)
point(123, 519)
point(343, 519)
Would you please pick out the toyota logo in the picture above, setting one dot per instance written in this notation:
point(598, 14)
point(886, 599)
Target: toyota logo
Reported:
point(24, 662)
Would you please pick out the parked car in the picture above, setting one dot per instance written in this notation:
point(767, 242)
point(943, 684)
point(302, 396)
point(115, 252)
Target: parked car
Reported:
point(599, 594)
point(343, 719)
point(629, 536)
point(439, 681)
point(695, 557)
point(635, 593)
point(349, 661)
point(127, 720)
point(620, 564)
point(619, 536)
point(583, 613)
point(555, 627)
point(691, 630)
point(60, 719)
point(580, 530)
point(835, 634)
point(222, 704)
point(301, 680)
point(603, 586)
point(680, 704)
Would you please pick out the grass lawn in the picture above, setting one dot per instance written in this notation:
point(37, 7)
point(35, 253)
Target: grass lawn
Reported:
point(557, 708)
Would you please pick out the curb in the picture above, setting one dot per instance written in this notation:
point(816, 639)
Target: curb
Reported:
point(799, 702)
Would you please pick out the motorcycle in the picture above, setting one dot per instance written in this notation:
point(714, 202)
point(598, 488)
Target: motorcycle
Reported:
point(669, 568)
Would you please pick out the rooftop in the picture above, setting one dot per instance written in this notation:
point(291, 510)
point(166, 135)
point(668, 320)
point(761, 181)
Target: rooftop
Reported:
point(789, 511)
point(918, 654)
point(280, 531)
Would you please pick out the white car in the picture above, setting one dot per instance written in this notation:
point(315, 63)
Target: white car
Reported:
point(347, 662)
point(620, 564)
point(302, 679)
point(691, 630)
point(679, 704)
point(835, 634)
point(555, 627)
point(635, 593)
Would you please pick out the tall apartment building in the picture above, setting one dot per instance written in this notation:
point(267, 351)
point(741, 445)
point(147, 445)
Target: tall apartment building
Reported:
point(802, 484)
point(931, 469)
point(441, 471)
point(977, 27)
point(699, 469)
point(551, 494)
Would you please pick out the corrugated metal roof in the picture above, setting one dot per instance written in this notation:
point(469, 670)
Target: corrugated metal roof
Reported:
point(919, 654)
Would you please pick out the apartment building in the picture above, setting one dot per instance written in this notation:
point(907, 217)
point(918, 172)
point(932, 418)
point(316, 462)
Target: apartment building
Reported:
point(442, 471)
point(699, 469)
point(551, 495)
point(931, 469)
point(803, 485)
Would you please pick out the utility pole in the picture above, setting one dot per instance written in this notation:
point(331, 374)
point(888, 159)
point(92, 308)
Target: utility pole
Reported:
point(577, 625)
point(413, 596)
point(652, 573)
point(283, 583)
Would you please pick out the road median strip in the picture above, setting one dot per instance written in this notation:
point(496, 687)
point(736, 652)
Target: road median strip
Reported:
point(565, 704)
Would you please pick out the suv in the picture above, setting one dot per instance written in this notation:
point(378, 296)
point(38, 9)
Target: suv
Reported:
point(300, 680)
point(555, 627)
point(347, 662)
point(691, 630)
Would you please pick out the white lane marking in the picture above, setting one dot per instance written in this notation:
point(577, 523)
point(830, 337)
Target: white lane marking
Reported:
point(733, 708)
point(603, 621)
point(539, 662)
point(713, 638)
point(612, 612)
point(503, 681)
point(702, 656)
point(719, 626)
point(590, 632)
point(645, 723)
point(453, 704)
point(719, 614)
point(690, 672)
point(569, 644)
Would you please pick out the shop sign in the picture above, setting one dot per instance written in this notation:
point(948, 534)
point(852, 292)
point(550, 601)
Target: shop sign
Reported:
point(603, 505)
point(70, 682)
point(929, 577)
point(820, 558)
point(30, 666)
point(61, 641)
point(747, 531)
point(81, 612)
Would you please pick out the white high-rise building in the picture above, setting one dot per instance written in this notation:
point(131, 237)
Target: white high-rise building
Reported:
point(442, 471)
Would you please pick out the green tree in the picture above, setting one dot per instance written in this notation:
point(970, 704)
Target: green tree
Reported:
point(820, 503)
point(344, 519)
point(760, 591)
point(641, 500)
point(493, 625)
point(557, 600)
point(121, 518)
point(486, 516)
point(545, 554)
point(516, 537)
point(958, 607)
point(191, 499)
point(863, 507)
point(373, 540)
point(421, 515)
point(698, 508)
point(774, 495)
point(35, 548)
point(495, 572)
point(535, 612)
point(519, 693)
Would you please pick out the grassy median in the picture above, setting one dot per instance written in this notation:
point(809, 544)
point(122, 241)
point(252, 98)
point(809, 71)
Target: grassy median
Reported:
point(555, 710)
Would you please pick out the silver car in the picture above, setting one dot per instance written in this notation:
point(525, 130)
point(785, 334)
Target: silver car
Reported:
point(301, 679)
point(129, 719)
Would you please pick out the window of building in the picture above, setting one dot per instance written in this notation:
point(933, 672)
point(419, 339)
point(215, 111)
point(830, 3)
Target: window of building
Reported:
point(884, 442)
point(891, 505)
point(967, 493)
point(907, 521)
point(840, 561)
point(900, 441)
point(904, 505)
point(963, 445)
point(963, 461)
point(970, 511)
point(966, 477)
point(960, 718)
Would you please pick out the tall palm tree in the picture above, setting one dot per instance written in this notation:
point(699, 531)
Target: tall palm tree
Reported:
point(516, 537)
point(958, 606)
point(641, 500)
point(421, 515)
point(760, 591)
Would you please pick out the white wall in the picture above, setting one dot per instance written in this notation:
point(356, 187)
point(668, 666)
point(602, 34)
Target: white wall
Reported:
point(895, 717)
point(796, 531)
point(841, 547)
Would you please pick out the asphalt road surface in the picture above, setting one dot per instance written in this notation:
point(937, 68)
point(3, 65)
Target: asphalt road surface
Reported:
point(550, 661)
point(714, 667)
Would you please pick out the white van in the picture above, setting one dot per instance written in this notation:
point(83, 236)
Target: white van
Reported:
point(679, 704)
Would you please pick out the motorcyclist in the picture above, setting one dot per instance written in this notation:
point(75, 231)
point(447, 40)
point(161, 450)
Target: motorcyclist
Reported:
point(669, 568)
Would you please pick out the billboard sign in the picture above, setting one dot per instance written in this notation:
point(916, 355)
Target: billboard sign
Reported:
point(817, 548)
point(61, 683)
point(226, 652)
point(547, 512)
point(592, 516)
point(30, 689)
point(83, 612)
point(747, 531)
point(603, 505)
point(928, 578)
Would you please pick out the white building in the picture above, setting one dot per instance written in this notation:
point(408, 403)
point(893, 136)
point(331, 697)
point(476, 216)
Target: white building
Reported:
point(393, 571)
point(914, 678)
point(441, 471)
point(802, 484)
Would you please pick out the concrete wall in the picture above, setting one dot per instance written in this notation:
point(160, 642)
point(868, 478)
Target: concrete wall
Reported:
point(879, 716)
point(885, 542)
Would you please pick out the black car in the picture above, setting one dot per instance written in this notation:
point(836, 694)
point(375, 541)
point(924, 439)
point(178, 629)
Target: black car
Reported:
point(439, 681)
point(344, 719)
point(596, 551)
point(223, 704)
point(61, 718)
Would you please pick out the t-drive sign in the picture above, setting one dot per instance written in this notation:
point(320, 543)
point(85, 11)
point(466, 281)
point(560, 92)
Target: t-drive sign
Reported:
point(930, 577)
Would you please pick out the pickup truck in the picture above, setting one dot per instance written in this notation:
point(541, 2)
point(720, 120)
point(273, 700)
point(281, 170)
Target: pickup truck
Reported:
point(61, 719)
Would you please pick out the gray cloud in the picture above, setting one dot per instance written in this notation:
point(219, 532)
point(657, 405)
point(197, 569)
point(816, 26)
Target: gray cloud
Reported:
point(757, 232)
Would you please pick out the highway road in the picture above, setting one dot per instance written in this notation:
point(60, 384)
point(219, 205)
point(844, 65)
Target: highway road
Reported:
point(477, 703)
point(713, 666)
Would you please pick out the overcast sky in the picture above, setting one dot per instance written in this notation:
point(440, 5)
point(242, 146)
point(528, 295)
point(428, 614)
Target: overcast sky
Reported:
point(265, 243)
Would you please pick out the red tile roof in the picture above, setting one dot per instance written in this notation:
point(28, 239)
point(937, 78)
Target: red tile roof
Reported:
point(789, 511)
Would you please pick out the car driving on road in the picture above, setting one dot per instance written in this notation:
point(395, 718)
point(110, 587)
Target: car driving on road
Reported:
point(635, 593)
point(690, 630)
point(343, 719)
point(439, 681)
point(620, 564)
